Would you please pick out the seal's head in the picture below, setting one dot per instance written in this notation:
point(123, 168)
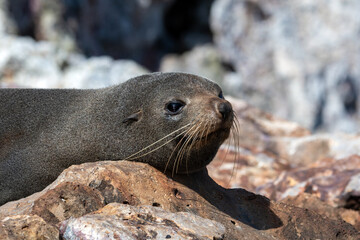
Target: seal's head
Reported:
point(183, 119)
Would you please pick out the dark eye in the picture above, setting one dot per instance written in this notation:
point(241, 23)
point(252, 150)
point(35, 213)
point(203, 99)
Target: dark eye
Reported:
point(174, 107)
point(221, 95)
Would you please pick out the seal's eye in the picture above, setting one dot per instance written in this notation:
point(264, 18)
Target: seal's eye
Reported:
point(221, 95)
point(174, 107)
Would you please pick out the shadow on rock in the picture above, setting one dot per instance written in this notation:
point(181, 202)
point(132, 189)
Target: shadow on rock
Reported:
point(246, 207)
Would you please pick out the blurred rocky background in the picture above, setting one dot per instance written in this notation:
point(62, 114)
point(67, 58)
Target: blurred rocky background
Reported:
point(299, 60)
point(295, 65)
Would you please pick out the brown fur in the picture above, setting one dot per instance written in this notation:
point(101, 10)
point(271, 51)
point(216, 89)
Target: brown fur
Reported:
point(42, 132)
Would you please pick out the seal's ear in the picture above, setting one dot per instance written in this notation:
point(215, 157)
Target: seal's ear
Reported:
point(133, 117)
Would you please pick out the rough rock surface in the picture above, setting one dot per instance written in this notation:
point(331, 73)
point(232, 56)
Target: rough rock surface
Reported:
point(313, 203)
point(328, 179)
point(88, 187)
point(27, 227)
point(120, 221)
point(298, 60)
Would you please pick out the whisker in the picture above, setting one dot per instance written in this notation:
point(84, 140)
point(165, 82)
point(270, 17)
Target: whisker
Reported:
point(132, 155)
point(181, 151)
point(235, 136)
point(227, 149)
point(157, 147)
point(187, 147)
point(193, 142)
point(178, 145)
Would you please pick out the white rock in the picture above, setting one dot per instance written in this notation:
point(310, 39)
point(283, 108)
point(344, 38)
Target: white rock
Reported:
point(120, 221)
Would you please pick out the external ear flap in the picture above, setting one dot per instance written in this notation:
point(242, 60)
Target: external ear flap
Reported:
point(133, 117)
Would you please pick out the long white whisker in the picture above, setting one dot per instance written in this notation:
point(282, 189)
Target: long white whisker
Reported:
point(184, 147)
point(157, 147)
point(132, 155)
point(234, 135)
point(178, 145)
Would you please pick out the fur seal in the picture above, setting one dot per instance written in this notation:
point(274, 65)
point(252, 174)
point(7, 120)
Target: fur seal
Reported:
point(173, 121)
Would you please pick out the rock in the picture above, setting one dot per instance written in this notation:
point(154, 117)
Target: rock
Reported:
point(202, 60)
point(267, 123)
point(26, 63)
point(280, 159)
point(126, 222)
point(328, 179)
point(6, 24)
point(286, 143)
point(296, 60)
point(313, 203)
point(99, 72)
point(65, 201)
point(353, 187)
point(85, 188)
point(141, 30)
point(350, 197)
point(300, 151)
point(50, 25)
point(307, 150)
point(240, 167)
point(127, 29)
point(26, 227)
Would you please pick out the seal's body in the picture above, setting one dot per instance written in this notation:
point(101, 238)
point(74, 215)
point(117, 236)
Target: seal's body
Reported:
point(169, 120)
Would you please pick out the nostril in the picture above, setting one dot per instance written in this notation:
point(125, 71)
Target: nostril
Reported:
point(225, 109)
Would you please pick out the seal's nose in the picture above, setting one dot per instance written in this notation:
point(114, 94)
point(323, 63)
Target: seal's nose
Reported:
point(225, 109)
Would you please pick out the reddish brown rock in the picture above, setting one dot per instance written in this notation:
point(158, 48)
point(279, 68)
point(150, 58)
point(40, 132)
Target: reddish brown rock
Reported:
point(313, 203)
point(244, 168)
point(252, 160)
point(282, 160)
point(262, 149)
point(67, 200)
point(257, 126)
point(26, 227)
point(243, 214)
point(327, 179)
point(270, 147)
